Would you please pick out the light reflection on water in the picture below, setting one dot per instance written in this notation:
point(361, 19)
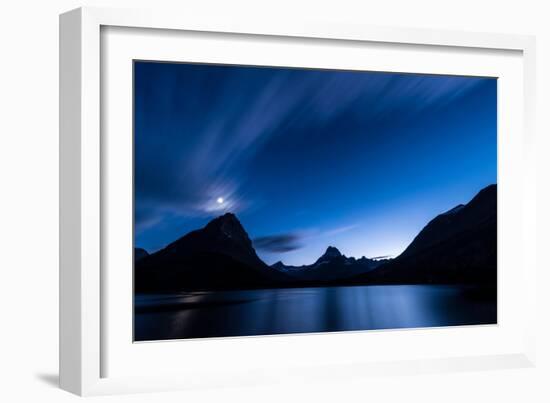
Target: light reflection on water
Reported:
point(307, 310)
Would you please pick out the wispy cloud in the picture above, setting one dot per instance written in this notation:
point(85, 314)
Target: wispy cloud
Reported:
point(197, 127)
point(339, 230)
point(292, 241)
point(279, 243)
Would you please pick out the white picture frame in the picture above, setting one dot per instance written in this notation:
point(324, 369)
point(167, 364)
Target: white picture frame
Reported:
point(86, 346)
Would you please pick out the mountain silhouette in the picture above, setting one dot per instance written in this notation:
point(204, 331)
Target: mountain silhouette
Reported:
point(332, 265)
point(140, 253)
point(458, 246)
point(218, 256)
point(330, 255)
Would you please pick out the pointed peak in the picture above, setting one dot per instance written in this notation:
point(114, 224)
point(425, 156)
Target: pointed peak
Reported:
point(332, 251)
point(228, 217)
point(228, 226)
point(224, 219)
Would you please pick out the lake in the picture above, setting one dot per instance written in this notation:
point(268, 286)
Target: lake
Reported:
point(308, 310)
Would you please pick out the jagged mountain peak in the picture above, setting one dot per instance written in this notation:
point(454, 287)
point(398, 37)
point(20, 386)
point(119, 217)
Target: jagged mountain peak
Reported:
point(278, 265)
point(220, 255)
point(226, 220)
point(330, 254)
point(223, 235)
point(228, 226)
point(332, 251)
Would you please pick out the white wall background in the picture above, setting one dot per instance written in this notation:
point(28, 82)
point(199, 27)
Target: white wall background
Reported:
point(29, 200)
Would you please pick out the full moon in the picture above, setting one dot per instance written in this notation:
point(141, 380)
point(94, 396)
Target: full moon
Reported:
point(220, 200)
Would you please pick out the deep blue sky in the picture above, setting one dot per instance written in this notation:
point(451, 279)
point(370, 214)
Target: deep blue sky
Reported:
point(307, 158)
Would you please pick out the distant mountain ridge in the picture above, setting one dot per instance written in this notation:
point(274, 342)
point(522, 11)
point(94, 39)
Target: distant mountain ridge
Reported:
point(332, 265)
point(458, 246)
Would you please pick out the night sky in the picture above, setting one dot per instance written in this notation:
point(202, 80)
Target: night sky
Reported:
point(307, 158)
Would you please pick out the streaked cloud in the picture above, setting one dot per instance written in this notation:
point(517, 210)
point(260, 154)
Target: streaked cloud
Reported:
point(339, 230)
point(292, 241)
point(184, 166)
point(279, 243)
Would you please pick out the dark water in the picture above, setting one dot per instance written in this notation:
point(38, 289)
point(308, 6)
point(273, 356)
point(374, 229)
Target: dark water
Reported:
point(306, 310)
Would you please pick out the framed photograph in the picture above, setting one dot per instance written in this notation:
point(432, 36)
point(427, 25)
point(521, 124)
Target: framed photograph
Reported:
point(242, 201)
